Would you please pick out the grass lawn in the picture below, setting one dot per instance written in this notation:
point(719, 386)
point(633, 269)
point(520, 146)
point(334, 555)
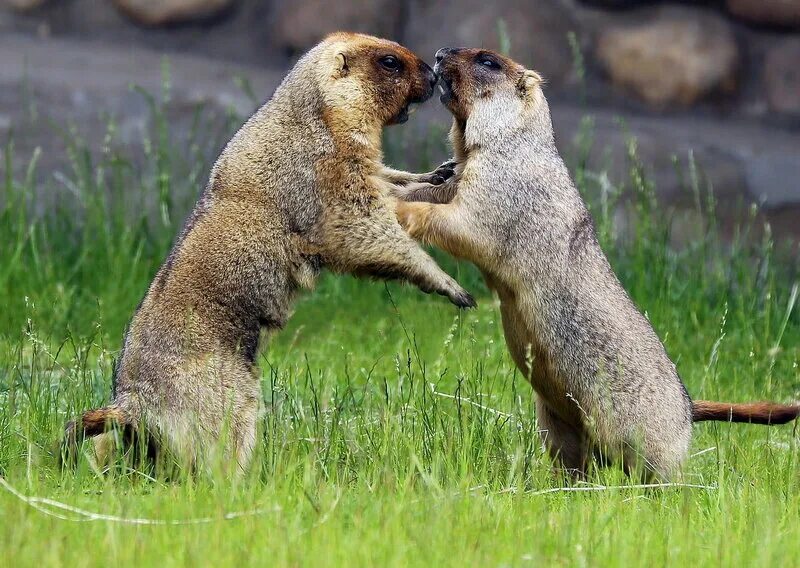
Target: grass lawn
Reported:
point(397, 430)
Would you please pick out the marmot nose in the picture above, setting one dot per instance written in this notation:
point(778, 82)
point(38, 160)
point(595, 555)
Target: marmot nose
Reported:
point(445, 51)
point(442, 53)
point(429, 74)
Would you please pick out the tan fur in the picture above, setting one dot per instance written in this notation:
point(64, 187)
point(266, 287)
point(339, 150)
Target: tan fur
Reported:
point(753, 412)
point(605, 385)
point(299, 188)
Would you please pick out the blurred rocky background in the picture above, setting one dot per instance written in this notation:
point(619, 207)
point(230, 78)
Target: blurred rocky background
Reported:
point(716, 82)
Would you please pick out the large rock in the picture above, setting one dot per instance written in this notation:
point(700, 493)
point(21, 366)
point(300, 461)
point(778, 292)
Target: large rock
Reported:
point(675, 56)
point(536, 30)
point(299, 24)
point(782, 76)
point(785, 13)
point(165, 12)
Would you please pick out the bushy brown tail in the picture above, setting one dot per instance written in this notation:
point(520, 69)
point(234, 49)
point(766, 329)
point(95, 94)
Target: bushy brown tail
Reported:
point(753, 412)
point(91, 423)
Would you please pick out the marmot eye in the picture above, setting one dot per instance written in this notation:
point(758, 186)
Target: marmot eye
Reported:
point(390, 62)
point(489, 62)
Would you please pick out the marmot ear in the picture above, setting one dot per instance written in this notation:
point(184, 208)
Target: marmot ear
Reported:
point(529, 81)
point(341, 64)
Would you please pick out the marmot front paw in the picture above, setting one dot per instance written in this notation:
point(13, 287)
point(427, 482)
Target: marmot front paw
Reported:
point(462, 299)
point(443, 173)
point(458, 295)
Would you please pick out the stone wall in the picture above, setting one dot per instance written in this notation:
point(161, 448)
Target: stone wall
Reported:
point(719, 78)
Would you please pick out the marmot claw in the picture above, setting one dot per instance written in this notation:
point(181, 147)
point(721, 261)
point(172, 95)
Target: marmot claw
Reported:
point(463, 299)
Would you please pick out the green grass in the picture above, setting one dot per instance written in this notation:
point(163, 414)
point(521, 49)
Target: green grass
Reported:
point(397, 431)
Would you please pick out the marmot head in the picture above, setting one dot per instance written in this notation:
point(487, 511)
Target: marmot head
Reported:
point(372, 79)
point(487, 91)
